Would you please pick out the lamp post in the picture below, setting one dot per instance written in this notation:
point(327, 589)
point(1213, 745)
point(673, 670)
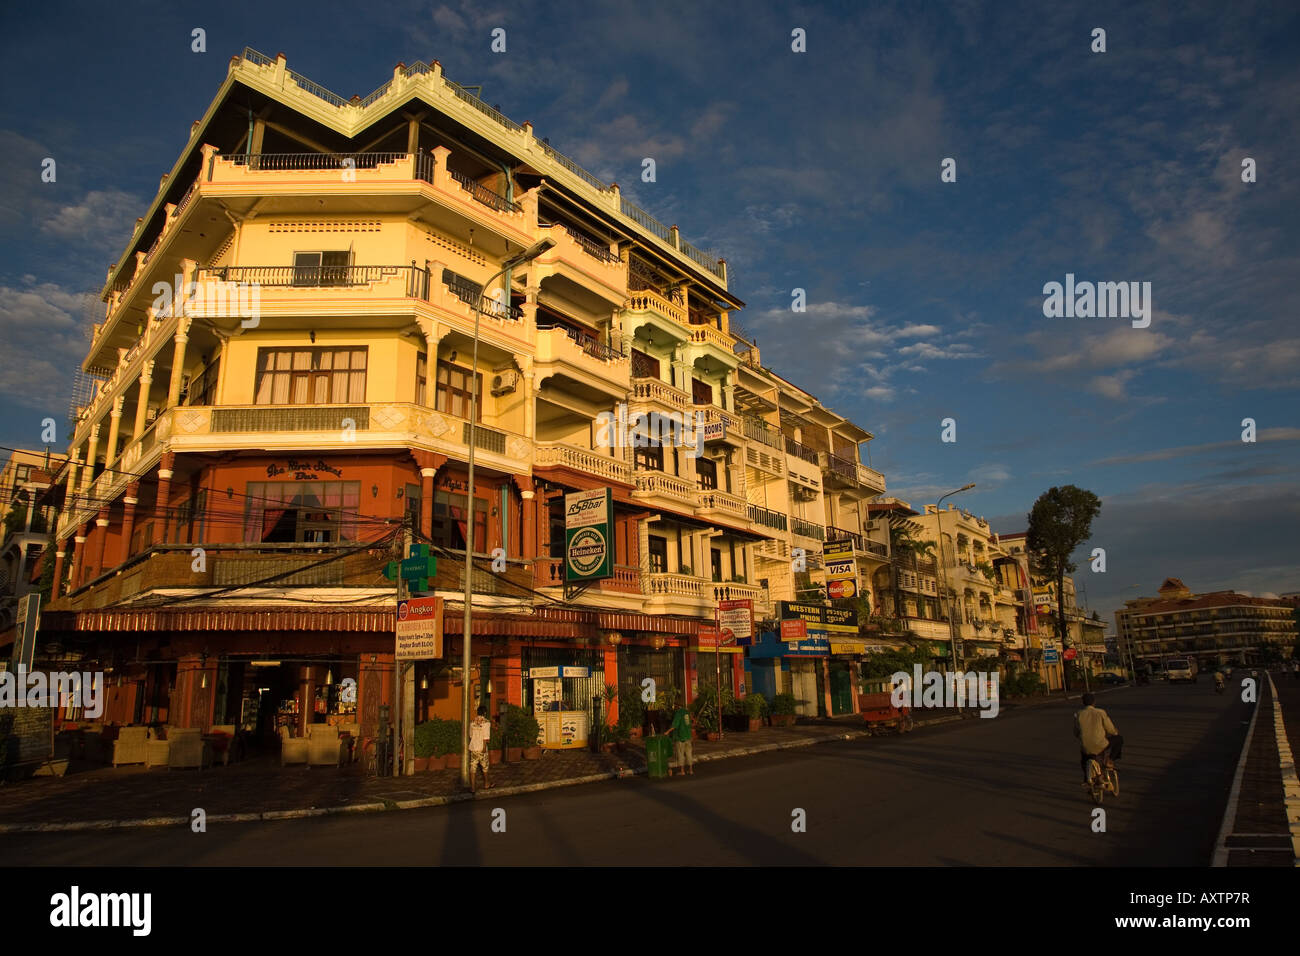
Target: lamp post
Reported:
point(943, 571)
point(527, 255)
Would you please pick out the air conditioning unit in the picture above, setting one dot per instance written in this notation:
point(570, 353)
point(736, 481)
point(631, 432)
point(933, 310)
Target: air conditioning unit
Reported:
point(505, 382)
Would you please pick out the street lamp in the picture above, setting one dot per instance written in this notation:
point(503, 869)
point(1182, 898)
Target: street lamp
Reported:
point(527, 255)
point(943, 571)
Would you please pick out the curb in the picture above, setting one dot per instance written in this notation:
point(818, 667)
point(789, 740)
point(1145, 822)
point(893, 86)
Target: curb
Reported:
point(1290, 783)
point(1220, 857)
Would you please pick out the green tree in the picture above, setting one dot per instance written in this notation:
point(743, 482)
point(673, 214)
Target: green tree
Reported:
point(903, 541)
point(1059, 522)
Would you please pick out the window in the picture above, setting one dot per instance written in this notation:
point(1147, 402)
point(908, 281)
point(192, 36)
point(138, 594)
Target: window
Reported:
point(455, 390)
point(702, 392)
point(189, 526)
point(311, 376)
point(449, 528)
point(305, 512)
point(707, 470)
point(22, 473)
point(203, 390)
point(412, 493)
point(658, 548)
point(321, 268)
point(421, 377)
point(650, 457)
point(715, 563)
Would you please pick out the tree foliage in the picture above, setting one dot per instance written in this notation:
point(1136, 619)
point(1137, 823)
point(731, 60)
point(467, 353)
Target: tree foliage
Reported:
point(1059, 522)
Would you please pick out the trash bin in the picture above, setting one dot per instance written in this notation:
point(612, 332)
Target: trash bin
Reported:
point(658, 751)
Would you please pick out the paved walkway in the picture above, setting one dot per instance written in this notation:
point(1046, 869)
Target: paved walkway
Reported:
point(258, 788)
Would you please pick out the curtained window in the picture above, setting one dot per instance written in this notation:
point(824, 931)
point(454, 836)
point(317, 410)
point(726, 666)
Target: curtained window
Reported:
point(303, 512)
point(311, 376)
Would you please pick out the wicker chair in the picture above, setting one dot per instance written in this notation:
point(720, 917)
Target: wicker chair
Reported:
point(129, 747)
point(292, 749)
point(187, 749)
point(324, 746)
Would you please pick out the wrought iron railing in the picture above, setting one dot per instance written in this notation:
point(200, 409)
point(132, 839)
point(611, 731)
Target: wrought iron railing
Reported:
point(591, 247)
point(259, 162)
point(760, 431)
point(483, 108)
point(809, 529)
point(307, 276)
point(768, 518)
point(573, 167)
point(315, 89)
point(647, 221)
point(843, 534)
point(483, 194)
point(801, 451)
point(471, 293)
point(589, 344)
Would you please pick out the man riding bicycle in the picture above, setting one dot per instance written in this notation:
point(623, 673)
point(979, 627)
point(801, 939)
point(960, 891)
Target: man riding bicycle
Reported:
point(1093, 727)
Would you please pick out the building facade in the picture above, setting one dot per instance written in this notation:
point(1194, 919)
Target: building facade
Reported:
point(1217, 628)
point(284, 379)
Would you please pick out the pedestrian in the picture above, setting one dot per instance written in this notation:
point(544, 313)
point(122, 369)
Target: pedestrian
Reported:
point(683, 747)
point(480, 732)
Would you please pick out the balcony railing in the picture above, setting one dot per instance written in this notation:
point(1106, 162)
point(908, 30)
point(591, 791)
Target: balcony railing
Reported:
point(265, 162)
point(549, 454)
point(760, 431)
point(654, 390)
point(312, 277)
point(489, 439)
point(291, 418)
point(768, 519)
point(801, 451)
point(471, 293)
point(715, 500)
point(675, 584)
point(591, 247)
point(589, 344)
point(647, 300)
point(483, 194)
point(843, 467)
point(667, 485)
point(843, 534)
point(808, 529)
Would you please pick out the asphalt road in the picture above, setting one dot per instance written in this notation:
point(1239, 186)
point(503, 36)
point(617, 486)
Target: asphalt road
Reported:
point(989, 792)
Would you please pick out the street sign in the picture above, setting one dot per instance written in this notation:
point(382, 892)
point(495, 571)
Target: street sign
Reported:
point(419, 629)
point(416, 570)
point(588, 535)
point(1071, 653)
point(1051, 655)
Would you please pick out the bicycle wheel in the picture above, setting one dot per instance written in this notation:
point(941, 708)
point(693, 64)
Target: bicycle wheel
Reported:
point(1095, 782)
point(1112, 780)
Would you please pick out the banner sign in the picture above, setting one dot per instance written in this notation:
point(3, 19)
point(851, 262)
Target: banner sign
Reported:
point(842, 620)
point(736, 621)
point(588, 535)
point(419, 629)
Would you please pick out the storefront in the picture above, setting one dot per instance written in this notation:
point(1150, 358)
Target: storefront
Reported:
point(261, 695)
point(564, 688)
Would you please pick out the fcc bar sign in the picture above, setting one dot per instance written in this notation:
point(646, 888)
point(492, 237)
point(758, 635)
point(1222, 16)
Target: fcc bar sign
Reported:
point(589, 535)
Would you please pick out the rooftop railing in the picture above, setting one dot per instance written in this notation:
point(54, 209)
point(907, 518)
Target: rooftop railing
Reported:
point(312, 161)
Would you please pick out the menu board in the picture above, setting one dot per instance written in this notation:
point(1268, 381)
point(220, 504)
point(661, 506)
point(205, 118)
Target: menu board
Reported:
point(26, 735)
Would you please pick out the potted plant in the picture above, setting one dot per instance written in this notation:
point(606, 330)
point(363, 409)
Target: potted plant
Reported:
point(425, 738)
point(755, 706)
point(783, 709)
point(704, 713)
point(618, 736)
point(632, 712)
point(521, 732)
point(734, 716)
point(446, 743)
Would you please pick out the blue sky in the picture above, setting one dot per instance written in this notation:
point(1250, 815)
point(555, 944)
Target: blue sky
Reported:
point(820, 171)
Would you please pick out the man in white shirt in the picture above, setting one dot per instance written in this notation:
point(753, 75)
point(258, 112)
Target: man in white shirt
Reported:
point(1093, 727)
point(480, 732)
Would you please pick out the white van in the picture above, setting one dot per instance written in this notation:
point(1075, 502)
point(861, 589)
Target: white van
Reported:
point(1181, 669)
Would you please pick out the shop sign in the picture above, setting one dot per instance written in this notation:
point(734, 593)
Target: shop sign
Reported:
point(543, 672)
point(580, 672)
point(848, 647)
point(841, 620)
point(838, 590)
point(419, 629)
point(303, 470)
point(714, 431)
point(813, 614)
point(813, 645)
point(794, 630)
point(710, 641)
point(736, 621)
point(416, 570)
point(588, 535)
point(841, 569)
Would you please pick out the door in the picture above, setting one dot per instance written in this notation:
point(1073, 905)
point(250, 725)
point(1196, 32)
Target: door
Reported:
point(841, 688)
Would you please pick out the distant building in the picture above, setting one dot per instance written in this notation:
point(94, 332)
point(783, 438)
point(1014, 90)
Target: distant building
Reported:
point(24, 479)
point(1220, 627)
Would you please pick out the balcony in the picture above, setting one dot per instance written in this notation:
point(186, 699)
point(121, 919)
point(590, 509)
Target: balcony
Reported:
point(193, 428)
point(807, 529)
point(653, 484)
point(585, 262)
point(558, 454)
point(584, 357)
point(549, 572)
point(740, 591)
point(678, 585)
point(766, 518)
point(652, 391)
point(801, 451)
point(723, 504)
point(649, 301)
point(756, 429)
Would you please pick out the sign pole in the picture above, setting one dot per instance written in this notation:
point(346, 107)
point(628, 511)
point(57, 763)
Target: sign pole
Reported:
point(717, 668)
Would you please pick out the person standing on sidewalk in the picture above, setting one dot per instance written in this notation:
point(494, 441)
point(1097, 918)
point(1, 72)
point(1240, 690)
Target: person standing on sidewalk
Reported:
point(480, 732)
point(683, 747)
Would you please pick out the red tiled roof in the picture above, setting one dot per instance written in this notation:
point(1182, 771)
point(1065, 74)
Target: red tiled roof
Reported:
point(1203, 601)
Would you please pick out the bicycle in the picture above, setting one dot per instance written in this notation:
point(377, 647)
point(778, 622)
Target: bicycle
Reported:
point(1103, 778)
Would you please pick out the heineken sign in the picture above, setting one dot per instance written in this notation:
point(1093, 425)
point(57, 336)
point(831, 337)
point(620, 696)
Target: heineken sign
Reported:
point(588, 535)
